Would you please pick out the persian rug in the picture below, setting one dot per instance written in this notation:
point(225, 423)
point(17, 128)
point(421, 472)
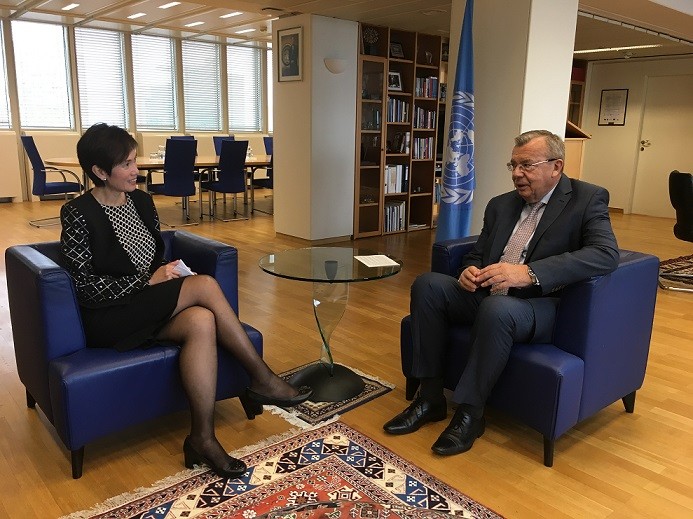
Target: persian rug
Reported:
point(332, 464)
point(681, 265)
point(311, 413)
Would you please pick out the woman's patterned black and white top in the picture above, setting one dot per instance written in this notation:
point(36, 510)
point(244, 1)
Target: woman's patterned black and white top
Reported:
point(132, 234)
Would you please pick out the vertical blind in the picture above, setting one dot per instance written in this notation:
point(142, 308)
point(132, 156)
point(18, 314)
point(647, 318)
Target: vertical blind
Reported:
point(4, 98)
point(270, 91)
point(43, 75)
point(244, 88)
point(155, 82)
point(201, 86)
point(100, 77)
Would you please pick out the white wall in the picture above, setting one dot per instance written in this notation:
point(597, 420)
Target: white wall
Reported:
point(523, 58)
point(10, 155)
point(333, 130)
point(292, 133)
point(314, 133)
point(612, 153)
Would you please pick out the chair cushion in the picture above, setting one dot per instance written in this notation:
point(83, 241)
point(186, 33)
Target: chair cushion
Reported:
point(101, 390)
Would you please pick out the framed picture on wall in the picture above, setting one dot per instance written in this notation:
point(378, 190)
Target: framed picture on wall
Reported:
point(612, 107)
point(289, 57)
point(394, 81)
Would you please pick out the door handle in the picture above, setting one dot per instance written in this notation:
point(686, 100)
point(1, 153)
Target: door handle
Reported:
point(645, 144)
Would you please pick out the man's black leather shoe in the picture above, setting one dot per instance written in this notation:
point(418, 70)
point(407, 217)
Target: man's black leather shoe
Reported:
point(420, 412)
point(459, 436)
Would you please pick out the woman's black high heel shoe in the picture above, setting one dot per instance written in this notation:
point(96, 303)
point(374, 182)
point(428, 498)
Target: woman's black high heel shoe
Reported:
point(234, 468)
point(304, 393)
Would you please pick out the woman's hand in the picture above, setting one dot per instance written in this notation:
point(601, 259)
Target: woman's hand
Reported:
point(164, 273)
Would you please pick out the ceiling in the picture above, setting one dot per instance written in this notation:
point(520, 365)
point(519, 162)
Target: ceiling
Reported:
point(601, 24)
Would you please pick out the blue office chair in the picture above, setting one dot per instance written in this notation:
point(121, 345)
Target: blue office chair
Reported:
point(178, 175)
point(41, 187)
point(218, 139)
point(231, 177)
point(267, 183)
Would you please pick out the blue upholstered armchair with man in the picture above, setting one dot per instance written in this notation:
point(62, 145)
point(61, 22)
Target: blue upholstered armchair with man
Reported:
point(551, 231)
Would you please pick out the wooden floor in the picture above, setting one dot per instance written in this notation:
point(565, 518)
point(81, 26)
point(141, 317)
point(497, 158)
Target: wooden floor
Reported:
point(614, 465)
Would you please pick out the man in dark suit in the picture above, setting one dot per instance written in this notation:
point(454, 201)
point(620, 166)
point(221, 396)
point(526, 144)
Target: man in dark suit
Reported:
point(549, 232)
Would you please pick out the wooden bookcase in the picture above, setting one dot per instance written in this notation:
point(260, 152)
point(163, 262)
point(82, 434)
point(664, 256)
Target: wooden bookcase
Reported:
point(397, 119)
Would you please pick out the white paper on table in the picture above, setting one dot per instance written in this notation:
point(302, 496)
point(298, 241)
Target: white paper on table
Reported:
point(377, 260)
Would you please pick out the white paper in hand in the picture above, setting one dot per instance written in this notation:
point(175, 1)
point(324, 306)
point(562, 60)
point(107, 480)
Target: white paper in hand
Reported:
point(182, 269)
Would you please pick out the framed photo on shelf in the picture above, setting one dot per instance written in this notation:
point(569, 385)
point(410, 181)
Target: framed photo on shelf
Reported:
point(290, 65)
point(394, 81)
point(612, 107)
point(396, 50)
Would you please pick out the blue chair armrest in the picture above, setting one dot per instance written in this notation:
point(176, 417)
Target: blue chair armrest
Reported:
point(446, 256)
point(211, 257)
point(42, 301)
point(607, 322)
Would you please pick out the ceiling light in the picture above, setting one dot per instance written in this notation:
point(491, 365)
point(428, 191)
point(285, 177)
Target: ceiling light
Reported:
point(170, 4)
point(431, 12)
point(70, 7)
point(136, 15)
point(244, 31)
point(235, 13)
point(609, 49)
point(193, 24)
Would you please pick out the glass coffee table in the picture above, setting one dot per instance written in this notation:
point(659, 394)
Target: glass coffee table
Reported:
point(330, 269)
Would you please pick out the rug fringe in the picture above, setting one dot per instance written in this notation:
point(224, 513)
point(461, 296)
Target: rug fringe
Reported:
point(294, 419)
point(168, 481)
point(138, 493)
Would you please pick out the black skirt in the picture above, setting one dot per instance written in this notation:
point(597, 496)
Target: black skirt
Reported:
point(134, 324)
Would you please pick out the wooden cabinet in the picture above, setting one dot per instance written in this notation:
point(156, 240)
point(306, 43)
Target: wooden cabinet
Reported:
point(397, 121)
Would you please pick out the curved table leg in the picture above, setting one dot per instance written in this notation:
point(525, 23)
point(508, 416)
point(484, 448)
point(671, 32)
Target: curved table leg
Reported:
point(330, 382)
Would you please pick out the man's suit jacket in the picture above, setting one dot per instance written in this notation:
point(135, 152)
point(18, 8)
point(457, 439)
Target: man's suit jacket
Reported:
point(573, 240)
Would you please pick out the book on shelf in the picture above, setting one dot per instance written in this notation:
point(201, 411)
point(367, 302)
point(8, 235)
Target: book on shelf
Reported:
point(396, 178)
point(394, 216)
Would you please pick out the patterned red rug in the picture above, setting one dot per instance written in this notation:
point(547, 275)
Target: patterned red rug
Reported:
point(330, 471)
point(681, 265)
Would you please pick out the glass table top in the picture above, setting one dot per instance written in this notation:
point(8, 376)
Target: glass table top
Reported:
point(328, 264)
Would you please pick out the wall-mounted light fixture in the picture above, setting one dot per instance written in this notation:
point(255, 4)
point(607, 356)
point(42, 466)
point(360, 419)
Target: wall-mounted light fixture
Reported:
point(335, 65)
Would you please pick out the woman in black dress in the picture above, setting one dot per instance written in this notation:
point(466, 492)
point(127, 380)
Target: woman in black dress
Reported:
point(129, 296)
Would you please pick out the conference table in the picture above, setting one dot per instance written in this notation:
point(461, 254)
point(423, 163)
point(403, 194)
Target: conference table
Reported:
point(253, 163)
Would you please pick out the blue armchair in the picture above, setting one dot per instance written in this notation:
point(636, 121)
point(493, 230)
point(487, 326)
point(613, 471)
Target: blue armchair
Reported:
point(87, 393)
point(598, 355)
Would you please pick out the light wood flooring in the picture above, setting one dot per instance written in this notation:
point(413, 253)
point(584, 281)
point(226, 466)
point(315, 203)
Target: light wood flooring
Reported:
point(613, 465)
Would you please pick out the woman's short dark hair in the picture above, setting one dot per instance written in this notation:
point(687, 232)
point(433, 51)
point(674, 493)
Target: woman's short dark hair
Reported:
point(103, 146)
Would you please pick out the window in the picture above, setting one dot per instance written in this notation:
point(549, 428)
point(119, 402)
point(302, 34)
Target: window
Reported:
point(201, 86)
point(244, 88)
point(270, 92)
point(100, 77)
point(4, 98)
point(43, 75)
point(155, 82)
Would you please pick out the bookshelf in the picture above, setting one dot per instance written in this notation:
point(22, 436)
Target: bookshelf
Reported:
point(400, 76)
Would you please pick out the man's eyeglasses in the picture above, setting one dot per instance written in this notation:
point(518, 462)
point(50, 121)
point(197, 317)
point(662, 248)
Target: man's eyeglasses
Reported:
point(526, 168)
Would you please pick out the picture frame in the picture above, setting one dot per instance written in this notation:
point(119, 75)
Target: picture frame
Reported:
point(445, 52)
point(396, 50)
point(394, 81)
point(612, 107)
point(290, 55)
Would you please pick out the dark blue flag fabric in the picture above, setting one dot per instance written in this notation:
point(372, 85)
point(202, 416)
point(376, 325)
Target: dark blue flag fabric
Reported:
point(457, 190)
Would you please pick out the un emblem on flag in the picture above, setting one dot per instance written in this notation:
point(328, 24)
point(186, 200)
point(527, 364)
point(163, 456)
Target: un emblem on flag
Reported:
point(458, 176)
